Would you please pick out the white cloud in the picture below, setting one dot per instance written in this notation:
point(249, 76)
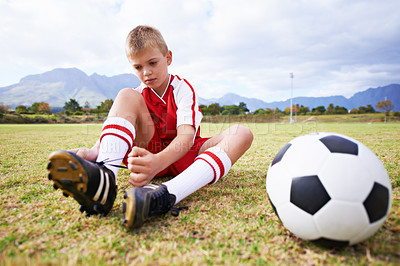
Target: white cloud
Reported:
point(246, 47)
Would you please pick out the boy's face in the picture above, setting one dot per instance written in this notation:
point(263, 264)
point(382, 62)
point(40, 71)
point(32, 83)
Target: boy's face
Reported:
point(151, 67)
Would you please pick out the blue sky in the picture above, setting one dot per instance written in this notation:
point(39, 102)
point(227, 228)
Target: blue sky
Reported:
point(333, 47)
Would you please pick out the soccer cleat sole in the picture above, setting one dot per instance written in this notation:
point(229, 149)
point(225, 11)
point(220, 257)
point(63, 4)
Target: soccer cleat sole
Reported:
point(133, 218)
point(67, 174)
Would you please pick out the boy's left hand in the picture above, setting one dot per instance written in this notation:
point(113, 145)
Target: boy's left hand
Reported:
point(143, 166)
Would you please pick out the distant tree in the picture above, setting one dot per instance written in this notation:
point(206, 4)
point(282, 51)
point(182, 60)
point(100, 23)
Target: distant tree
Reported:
point(260, 111)
point(340, 110)
point(86, 107)
point(304, 110)
point(271, 111)
point(21, 109)
point(330, 110)
point(3, 108)
point(354, 111)
point(34, 107)
point(44, 108)
point(362, 110)
point(214, 109)
point(105, 106)
point(231, 110)
point(243, 107)
point(72, 106)
point(295, 109)
point(319, 110)
point(278, 111)
point(385, 106)
point(287, 110)
point(267, 111)
point(369, 109)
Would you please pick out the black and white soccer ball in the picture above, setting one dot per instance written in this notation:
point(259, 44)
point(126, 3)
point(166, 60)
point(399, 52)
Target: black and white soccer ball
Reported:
point(329, 188)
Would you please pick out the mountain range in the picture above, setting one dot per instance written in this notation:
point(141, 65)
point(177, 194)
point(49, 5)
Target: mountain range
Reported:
point(370, 96)
point(61, 84)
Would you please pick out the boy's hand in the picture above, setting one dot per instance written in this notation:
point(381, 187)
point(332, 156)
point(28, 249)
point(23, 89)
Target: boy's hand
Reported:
point(143, 166)
point(85, 153)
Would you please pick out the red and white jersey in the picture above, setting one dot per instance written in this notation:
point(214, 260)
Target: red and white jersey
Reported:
point(177, 106)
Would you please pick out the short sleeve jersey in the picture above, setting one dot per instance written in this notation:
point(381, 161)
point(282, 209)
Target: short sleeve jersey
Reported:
point(177, 106)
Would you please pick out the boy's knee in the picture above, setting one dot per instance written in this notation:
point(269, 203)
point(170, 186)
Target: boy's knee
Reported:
point(247, 134)
point(244, 133)
point(128, 93)
point(130, 98)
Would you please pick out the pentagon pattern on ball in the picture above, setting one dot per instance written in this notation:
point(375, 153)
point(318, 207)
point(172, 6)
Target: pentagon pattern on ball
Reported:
point(337, 144)
point(308, 193)
point(280, 154)
point(274, 208)
point(377, 202)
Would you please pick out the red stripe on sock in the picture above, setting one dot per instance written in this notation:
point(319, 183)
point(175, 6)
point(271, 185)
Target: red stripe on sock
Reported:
point(217, 160)
point(212, 167)
point(123, 129)
point(119, 136)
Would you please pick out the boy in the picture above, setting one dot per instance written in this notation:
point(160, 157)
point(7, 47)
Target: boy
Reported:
point(155, 130)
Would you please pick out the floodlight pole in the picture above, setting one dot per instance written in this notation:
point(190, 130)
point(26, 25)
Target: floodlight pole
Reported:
point(291, 100)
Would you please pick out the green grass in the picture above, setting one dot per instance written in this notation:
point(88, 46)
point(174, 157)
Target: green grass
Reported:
point(230, 222)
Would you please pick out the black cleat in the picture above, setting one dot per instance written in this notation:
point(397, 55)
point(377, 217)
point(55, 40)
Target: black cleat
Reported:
point(143, 202)
point(91, 184)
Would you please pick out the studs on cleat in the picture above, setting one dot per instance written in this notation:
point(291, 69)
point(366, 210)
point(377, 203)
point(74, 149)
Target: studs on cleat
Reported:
point(123, 207)
point(73, 175)
point(72, 165)
point(125, 195)
point(80, 187)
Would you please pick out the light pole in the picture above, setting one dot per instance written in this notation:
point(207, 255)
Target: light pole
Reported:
point(291, 99)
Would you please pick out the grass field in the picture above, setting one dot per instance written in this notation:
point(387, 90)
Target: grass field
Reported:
point(230, 222)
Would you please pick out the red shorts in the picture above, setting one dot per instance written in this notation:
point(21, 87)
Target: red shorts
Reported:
point(156, 145)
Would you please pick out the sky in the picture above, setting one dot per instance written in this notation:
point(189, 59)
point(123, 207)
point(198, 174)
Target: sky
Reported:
point(332, 47)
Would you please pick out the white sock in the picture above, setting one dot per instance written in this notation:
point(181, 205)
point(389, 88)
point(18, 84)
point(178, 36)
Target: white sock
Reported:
point(116, 140)
point(207, 168)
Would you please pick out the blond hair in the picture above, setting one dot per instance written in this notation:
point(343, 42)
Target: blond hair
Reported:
point(143, 37)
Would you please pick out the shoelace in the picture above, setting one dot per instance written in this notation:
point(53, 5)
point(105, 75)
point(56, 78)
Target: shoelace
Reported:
point(107, 162)
point(174, 209)
point(160, 201)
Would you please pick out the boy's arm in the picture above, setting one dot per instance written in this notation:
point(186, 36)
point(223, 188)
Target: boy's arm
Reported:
point(144, 165)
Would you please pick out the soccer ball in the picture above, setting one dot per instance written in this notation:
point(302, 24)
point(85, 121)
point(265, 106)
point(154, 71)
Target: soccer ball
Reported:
point(329, 188)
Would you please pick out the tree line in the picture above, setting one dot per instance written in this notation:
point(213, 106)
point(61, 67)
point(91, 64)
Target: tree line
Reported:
point(384, 106)
point(72, 107)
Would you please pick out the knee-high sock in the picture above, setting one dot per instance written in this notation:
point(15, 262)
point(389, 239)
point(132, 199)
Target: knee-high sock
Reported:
point(207, 168)
point(116, 140)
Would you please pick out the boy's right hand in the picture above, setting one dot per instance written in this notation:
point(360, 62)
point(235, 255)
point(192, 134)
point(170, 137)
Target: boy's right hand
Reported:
point(85, 153)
